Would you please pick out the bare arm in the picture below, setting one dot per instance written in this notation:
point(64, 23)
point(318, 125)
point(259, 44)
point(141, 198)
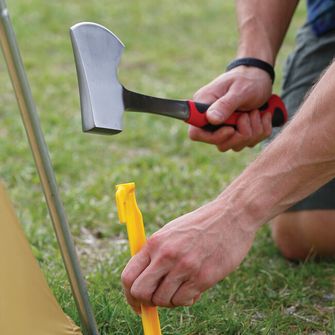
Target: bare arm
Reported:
point(299, 161)
point(262, 26)
point(195, 251)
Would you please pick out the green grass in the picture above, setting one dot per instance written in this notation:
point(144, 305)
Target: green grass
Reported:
point(172, 48)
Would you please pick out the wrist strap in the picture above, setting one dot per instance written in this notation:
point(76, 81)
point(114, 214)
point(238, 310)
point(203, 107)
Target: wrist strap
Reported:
point(254, 62)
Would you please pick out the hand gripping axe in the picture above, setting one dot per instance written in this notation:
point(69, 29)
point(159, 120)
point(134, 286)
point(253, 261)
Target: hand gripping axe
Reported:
point(97, 53)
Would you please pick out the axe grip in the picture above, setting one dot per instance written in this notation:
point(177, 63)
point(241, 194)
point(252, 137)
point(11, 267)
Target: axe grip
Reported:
point(198, 118)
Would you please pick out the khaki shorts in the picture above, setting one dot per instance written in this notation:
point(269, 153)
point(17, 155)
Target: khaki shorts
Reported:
point(303, 67)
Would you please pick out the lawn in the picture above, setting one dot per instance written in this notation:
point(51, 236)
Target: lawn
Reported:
point(172, 48)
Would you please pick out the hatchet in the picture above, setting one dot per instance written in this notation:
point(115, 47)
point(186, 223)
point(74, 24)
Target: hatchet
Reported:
point(97, 52)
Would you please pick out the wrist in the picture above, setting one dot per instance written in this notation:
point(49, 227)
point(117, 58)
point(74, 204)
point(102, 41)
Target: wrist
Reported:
point(263, 80)
point(253, 63)
point(258, 51)
point(242, 207)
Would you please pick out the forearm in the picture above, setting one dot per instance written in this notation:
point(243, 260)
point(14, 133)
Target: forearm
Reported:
point(262, 26)
point(296, 163)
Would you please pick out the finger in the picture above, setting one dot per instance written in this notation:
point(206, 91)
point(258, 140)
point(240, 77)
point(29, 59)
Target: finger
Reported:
point(267, 124)
point(241, 137)
point(205, 95)
point(222, 108)
point(230, 143)
point(257, 128)
point(216, 137)
point(256, 123)
point(186, 294)
point(132, 270)
point(245, 131)
point(148, 281)
point(212, 91)
point(166, 290)
point(244, 126)
point(134, 304)
point(186, 268)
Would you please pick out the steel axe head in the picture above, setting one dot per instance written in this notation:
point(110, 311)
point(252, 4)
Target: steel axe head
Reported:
point(97, 52)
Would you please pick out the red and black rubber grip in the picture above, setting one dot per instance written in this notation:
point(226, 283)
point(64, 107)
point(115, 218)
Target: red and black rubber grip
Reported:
point(197, 114)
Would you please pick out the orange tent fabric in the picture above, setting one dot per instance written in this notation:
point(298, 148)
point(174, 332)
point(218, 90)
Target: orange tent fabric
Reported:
point(27, 305)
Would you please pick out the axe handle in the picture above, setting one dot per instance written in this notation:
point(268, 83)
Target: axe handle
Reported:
point(197, 114)
point(194, 113)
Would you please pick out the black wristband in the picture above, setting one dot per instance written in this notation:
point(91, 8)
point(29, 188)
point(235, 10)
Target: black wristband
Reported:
point(254, 62)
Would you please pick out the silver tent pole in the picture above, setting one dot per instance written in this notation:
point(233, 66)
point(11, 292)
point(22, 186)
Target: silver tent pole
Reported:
point(43, 164)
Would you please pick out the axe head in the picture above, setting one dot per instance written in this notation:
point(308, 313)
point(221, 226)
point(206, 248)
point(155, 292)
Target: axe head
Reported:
point(97, 52)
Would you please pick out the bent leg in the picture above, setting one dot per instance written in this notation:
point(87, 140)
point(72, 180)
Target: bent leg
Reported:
point(308, 228)
point(304, 234)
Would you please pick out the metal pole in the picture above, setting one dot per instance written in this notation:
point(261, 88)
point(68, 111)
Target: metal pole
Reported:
point(44, 168)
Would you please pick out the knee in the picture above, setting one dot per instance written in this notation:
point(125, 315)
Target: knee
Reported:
point(301, 235)
point(289, 239)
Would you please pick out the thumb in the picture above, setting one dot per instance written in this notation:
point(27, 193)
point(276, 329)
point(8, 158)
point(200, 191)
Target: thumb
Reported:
point(204, 96)
point(222, 108)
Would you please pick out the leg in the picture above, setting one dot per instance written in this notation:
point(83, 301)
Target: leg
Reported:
point(308, 228)
point(304, 234)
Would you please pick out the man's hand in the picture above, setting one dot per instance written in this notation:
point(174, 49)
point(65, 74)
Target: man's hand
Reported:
point(262, 26)
point(195, 251)
point(243, 89)
point(187, 256)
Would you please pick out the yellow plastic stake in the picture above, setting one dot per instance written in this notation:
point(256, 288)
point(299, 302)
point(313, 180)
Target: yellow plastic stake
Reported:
point(130, 214)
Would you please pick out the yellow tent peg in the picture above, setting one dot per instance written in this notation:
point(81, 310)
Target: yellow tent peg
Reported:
point(130, 214)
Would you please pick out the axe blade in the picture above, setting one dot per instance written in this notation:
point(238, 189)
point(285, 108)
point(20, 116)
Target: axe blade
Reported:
point(97, 52)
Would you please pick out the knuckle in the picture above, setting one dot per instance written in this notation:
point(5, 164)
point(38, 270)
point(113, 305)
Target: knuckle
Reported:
point(189, 265)
point(168, 253)
point(222, 148)
point(143, 296)
point(193, 134)
point(176, 301)
point(158, 300)
point(126, 279)
point(242, 141)
point(185, 300)
point(153, 242)
point(237, 149)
